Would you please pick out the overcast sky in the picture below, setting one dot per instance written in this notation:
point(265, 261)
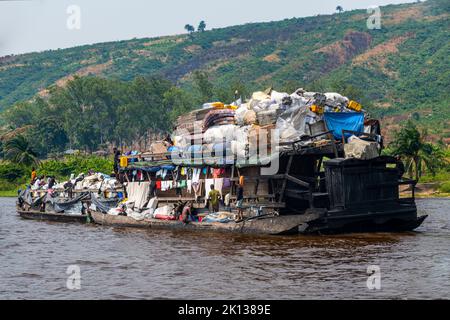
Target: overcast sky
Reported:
point(36, 25)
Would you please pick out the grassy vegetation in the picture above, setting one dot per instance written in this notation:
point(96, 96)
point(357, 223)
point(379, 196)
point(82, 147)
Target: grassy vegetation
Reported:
point(14, 177)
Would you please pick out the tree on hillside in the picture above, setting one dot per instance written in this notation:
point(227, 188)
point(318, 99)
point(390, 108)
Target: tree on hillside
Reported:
point(189, 28)
point(418, 155)
point(339, 9)
point(19, 150)
point(204, 86)
point(201, 26)
point(177, 102)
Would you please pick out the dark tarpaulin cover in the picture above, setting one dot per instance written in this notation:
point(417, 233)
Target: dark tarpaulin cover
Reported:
point(57, 205)
point(104, 205)
point(27, 198)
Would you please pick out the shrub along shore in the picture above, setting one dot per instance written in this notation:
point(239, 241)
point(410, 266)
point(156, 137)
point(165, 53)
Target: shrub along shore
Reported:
point(14, 177)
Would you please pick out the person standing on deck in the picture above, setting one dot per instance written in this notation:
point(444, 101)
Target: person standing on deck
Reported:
point(214, 197)
point(116, 161)
point(240, 201)
point(33, 175)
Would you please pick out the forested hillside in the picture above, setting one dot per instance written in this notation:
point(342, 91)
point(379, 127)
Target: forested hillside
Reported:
point(400, 71)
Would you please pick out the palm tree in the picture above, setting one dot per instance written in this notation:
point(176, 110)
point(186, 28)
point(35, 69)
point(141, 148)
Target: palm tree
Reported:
point(189, 28)
point(19, 150)
point(202, 26)
point(339, 8)
point(418, 154)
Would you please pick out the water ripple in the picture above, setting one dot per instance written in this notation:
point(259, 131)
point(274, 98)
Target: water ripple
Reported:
point(140, 264)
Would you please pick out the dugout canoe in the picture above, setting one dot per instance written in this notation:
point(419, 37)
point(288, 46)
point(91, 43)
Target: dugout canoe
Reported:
point(52, 217)
point(268, 225)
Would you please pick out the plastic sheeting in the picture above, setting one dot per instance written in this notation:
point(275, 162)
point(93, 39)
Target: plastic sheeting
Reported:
point(138, 193)
point(58, 205)
point(26, 197)
point(103, 205)
point(338, 121)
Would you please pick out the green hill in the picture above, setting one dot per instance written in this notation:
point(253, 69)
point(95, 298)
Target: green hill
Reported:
point(400, 71)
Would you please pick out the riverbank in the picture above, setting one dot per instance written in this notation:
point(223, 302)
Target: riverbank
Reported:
point(8, 193)
point(428, 191)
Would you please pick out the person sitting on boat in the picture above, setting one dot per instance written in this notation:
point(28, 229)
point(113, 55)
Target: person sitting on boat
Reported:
point(240, 202)
point(214, 197)
point(187, 212)
point(51, 182)
point(37, 183)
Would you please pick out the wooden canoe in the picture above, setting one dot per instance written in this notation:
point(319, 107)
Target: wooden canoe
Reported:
point(271, 225)
point(54, 217)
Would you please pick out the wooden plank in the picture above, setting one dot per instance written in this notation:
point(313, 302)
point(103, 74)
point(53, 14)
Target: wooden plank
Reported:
point(288, 170)
point(297, 181)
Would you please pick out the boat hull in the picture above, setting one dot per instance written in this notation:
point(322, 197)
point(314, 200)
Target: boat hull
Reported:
point(400, 219)
point(273, 225)
point(314, 221)
point(53, 217)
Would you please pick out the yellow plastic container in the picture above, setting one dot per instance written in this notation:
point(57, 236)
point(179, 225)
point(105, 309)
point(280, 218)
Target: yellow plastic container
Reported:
point(355, 106)
point(317, 109)
point(123, 162)
point(218, 105)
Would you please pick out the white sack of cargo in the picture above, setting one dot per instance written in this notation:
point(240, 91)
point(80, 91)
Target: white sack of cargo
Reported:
point(165, 211)
point(241, 134)
point(360, 149)
point(217, 134)
point(116, 211)
point(278, 96)
point(259, 95)
point(293, 119)
point(181, 141)
point(249, 117)
point(238, 149)
point(240, 114)
point(336, 97)
point(287, 131)
point(260, 105)
point(138, 216)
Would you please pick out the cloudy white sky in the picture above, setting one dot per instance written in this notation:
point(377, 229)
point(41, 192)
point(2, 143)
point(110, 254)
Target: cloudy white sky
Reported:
point(36, 25)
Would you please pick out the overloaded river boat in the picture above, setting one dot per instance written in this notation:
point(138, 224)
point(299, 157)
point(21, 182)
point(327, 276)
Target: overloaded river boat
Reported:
point(306, 163)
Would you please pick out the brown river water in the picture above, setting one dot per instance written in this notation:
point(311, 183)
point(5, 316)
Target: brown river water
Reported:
point(139, 264)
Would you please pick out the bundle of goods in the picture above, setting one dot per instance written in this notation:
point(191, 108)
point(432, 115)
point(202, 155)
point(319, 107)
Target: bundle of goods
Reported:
point(295, 116)
point(192, 120)
point(218, 118)
point(95, 182)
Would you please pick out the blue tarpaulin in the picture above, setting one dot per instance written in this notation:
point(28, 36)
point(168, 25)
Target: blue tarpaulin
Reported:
point(338, 121)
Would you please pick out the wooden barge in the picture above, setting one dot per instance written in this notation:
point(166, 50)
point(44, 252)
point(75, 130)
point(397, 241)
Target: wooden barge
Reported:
point(316, 191)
